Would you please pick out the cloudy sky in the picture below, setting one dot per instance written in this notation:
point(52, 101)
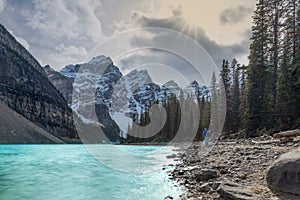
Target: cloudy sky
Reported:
point(61, 32)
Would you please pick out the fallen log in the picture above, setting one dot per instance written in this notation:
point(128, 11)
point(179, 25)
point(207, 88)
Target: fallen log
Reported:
point(287, 134)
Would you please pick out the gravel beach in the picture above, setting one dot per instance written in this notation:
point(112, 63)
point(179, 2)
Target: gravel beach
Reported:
point(231, 169)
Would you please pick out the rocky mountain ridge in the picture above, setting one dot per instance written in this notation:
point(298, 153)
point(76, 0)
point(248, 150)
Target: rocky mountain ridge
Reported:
point(25, 88)
point(119, 97)
point(8, 41)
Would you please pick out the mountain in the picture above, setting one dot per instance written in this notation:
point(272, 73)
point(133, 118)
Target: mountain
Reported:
point(61, 82)
point(15, 129)
point(102, 76)
point(168, 89)
point(135, 100)
point(117, 98)
point(109, 78)
point(196, 91)
point(70, 71)
point(25, 88)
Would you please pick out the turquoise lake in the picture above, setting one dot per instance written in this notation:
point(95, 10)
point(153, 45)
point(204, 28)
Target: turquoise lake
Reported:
point(72, 172)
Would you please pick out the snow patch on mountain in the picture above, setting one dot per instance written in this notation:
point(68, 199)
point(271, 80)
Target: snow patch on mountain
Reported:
point(196, 91)
point(120, 98)
point(122, 109)
point(70, 71)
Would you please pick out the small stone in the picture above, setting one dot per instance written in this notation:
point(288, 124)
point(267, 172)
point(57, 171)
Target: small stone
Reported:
point(204, 187)
point(242, 176)
point(168, 197)
point(181, 172)
point(171, 156)
point(238, 161)
point(289, 144)
point(250, 158)
point(215, 185)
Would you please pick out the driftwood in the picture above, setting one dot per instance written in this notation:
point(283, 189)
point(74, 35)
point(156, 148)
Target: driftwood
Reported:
point(287, 134)
point(265, 142)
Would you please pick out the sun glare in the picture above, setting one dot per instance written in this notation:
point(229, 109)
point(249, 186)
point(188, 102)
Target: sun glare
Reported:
point(191, 17)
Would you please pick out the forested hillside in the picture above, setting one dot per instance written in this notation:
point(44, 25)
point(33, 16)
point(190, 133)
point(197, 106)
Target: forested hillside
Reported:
point(262, 97)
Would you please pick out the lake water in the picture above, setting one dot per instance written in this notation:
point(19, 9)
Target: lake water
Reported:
point(72, 172)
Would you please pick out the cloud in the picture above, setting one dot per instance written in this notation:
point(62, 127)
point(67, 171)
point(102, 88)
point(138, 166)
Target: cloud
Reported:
point(60, 32)
point(116, 17)
point(234, 15)
point(2, 5)
point(73, 19)
point(70, 50)
point(66, 54)
point(218, 52)
point(161, 65)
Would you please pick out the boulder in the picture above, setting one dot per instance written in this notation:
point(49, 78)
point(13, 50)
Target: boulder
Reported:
point(206, 174)
point(283, 176)
point(232, 191)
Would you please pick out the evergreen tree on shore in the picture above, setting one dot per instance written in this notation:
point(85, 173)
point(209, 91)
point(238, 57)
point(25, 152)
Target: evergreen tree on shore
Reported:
point(235, 95)
point(256, 94)
point(262, 97)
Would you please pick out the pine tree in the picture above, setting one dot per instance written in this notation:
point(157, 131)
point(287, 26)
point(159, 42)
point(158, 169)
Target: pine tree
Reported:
point(235, 95)
point(296, 70)
point(287, 109)
point(285, 98)
point(242, 113)
point(225, 87)
point(215, 126)
point(256, 96)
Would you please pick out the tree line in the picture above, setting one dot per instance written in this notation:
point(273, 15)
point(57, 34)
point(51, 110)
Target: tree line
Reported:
point(187, 115)
point(262, 97)
point(272, 87)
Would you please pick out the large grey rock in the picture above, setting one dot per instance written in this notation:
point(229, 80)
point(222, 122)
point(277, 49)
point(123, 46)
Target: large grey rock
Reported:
point(283, 176)
point(231, 191)
point(206, 174)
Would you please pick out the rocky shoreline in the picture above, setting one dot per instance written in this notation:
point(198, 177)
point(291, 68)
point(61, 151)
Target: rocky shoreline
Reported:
point(232, 169)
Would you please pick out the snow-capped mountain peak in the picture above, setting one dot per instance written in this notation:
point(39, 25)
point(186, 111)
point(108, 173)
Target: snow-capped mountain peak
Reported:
point(194, 89)
point(118, 98)
point(101, 60)
point(170, 84)
point(70, 71)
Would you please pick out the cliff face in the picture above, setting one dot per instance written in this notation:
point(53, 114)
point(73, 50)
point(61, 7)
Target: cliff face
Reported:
point(9, 41)
point(15, 129)
point(25, 88)
point(61, 83)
